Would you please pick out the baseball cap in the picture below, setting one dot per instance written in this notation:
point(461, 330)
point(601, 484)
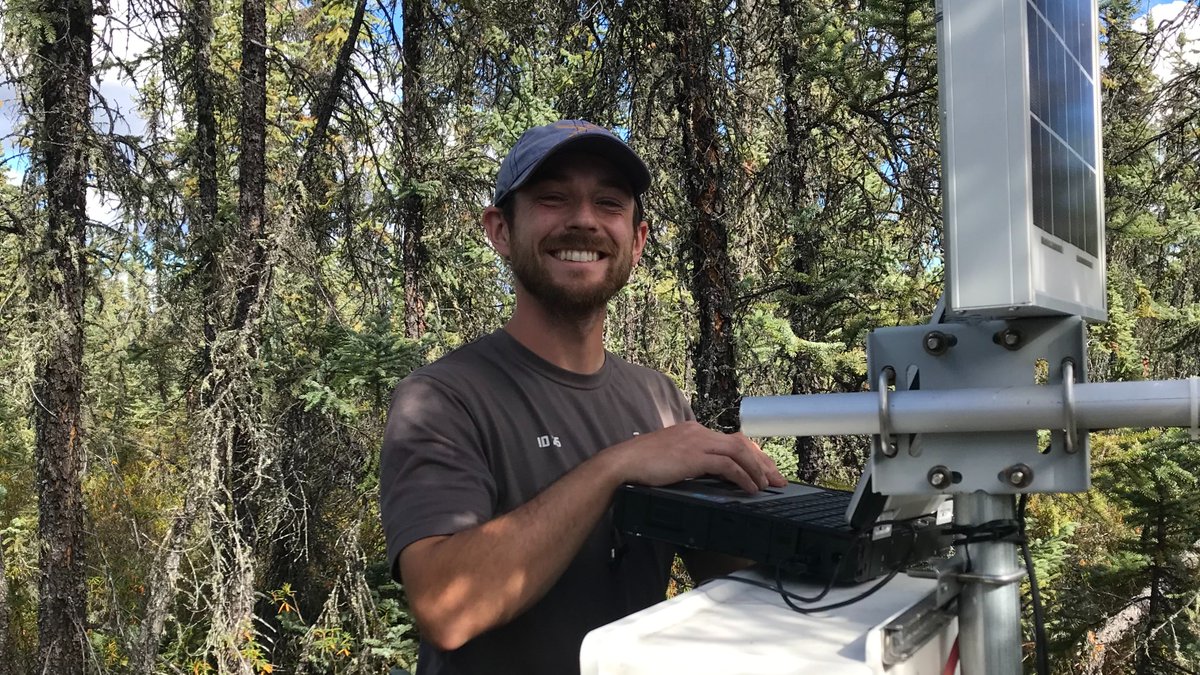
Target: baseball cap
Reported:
point(536, 145)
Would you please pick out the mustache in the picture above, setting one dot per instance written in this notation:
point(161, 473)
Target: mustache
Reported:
point(579, 240)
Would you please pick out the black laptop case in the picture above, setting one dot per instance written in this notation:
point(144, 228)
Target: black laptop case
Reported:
point(806, 535)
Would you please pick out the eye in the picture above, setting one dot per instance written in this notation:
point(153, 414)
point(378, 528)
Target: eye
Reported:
point(611, 203)
point(551, 198)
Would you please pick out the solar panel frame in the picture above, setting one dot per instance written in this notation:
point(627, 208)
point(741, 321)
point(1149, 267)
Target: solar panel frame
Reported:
point(1022, 170)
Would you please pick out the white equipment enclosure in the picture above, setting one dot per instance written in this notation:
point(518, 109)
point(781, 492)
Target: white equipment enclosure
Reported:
point(1021, 167)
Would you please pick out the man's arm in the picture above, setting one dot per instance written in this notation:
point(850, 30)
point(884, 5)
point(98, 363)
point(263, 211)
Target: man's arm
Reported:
point(464, 584)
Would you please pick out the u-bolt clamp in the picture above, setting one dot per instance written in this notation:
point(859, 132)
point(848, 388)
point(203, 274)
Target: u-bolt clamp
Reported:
point(952, 570)
point(1070, 431)
point(887, 444)
point(1194, 400)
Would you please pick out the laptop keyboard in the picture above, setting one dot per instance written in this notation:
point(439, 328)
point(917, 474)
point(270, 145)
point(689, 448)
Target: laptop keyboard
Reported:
point(821, 508)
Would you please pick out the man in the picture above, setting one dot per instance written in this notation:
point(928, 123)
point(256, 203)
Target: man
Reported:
point(500, 460)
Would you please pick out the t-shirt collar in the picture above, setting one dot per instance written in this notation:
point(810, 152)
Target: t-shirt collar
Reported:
point(524, 356)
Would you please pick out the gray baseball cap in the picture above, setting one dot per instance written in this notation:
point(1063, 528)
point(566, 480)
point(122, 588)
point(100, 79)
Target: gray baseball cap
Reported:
point(536, 145)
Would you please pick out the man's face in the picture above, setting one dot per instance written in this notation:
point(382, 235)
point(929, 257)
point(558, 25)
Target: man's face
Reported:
point(573, 242)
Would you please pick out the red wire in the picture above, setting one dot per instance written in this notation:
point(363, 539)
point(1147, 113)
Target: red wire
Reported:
point(952, 661)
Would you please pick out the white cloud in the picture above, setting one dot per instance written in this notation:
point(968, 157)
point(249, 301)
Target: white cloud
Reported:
point(103, 208)
point(1180, 40)
point(121, 39)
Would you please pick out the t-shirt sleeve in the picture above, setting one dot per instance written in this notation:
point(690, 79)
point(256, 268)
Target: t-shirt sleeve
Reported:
point(673, 406)
point(433, 474)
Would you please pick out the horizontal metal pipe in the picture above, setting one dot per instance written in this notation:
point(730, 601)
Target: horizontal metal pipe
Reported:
point(1102, 405)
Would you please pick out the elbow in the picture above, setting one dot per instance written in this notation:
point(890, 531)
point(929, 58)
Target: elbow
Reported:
point(446, 631)
point(446, 641)
point(445, 600)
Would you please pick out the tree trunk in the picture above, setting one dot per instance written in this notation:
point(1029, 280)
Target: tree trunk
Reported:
point(6, 666)
point(707, 243)
point(1114, 629)
point(412, 205)
point(797, 126)
point(201, 36)
point(280, 561)
point(162, 586)
point(252, 173)
point(1147, 656)
point(163, 583)
point(234, 402)
point(327, 103)
point(60, 276)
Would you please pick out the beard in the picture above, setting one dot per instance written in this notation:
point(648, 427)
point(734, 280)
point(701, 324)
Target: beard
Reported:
point(571, 301)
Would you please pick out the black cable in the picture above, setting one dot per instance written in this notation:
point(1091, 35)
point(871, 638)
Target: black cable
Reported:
point(1035, 596)
point(995, 530)
point(835, 605)
point(778, 585)
point(824, 591)
point(790, 598)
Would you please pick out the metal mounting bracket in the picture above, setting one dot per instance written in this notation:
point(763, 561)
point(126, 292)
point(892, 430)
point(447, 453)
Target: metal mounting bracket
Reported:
point(982, 354)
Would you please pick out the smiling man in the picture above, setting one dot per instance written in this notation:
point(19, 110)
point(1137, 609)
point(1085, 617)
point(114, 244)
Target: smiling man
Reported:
point(501, 459)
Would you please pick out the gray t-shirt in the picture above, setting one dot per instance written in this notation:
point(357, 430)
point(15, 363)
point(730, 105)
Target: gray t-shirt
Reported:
point(483, 430)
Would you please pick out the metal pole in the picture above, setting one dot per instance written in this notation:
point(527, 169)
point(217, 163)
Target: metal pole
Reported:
point(1104, 405)
point(989, 616)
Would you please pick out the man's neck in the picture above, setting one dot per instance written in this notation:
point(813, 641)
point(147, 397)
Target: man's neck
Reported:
point(572, 344)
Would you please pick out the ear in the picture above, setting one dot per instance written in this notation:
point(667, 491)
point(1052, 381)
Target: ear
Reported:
point(497, 229)
point(639, 240)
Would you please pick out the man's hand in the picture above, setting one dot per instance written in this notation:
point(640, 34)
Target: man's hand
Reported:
point(690, 450)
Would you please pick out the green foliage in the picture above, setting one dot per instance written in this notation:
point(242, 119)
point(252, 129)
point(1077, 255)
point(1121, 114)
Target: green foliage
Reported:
point(366, 361)
point(397, 646)
point(826, 156)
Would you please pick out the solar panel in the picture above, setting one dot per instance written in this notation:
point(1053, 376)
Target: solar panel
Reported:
point(1022, 173)
point(1062, 122)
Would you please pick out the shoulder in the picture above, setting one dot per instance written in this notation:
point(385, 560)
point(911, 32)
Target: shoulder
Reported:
point(639, 373)
point(451, 383)
point(661, 389)
point(461, 366)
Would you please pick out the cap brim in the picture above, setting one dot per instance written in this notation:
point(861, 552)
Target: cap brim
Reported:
point(599, 143)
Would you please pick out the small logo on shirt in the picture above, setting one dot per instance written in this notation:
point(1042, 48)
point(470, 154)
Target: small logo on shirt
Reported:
point(547, 441)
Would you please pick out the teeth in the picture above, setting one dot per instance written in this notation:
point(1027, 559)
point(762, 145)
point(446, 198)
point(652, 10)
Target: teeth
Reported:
point(578, 256)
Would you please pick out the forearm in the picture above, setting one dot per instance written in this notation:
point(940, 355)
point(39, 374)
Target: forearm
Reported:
point(484, 577)
point(465, 584)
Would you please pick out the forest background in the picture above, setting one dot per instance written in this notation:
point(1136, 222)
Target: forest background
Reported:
point(227, 230)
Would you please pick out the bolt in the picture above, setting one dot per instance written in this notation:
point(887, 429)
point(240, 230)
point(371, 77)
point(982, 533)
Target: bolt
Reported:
point(936, 342)
point(1017, 475)
point(890, 449)
point(1009, 338)
point(939, 477)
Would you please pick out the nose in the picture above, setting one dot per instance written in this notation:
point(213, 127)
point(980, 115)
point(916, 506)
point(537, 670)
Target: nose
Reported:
point(584, 216)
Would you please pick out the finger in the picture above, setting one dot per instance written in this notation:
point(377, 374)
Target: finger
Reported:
point(746, 440)
point(774, 476)
point(765, 465)
point(729, 469)
point(750, 457)
point(770, 471)
point(744, 455)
